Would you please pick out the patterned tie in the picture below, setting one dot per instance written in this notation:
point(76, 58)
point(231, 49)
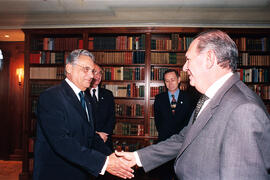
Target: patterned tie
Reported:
point(199, 105)
point(173, 104)
point(94, 96)
point(81, 94)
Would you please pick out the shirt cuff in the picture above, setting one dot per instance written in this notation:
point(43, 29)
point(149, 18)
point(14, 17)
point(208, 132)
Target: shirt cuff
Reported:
point(138, 161)
point(105, 166)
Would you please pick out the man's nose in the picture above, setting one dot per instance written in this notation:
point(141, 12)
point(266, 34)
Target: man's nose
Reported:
point(185, 67)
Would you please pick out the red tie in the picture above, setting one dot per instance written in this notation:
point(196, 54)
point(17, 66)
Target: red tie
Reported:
point(173, 104)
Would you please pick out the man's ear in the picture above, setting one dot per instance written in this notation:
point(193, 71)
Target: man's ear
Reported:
point(68, 68)
point(211, 59)
point(179, 79)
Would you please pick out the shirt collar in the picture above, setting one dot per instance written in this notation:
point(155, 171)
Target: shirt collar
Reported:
point(211, 91)
point(74, 87)
point(176, 94)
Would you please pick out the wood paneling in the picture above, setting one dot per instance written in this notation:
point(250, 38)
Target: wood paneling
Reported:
point(11, 100)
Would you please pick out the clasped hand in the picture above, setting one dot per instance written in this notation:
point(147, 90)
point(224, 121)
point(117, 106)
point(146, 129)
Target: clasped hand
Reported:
point(120, 164)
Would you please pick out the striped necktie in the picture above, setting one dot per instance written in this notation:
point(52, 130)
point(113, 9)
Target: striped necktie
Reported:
point(199, 105)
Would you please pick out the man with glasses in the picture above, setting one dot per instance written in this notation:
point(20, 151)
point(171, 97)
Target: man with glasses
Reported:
point(65, 143)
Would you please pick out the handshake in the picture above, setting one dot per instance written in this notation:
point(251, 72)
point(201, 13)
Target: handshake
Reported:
point(120, 163)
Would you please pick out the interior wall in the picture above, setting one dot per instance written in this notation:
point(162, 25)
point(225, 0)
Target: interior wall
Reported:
point(11, 101)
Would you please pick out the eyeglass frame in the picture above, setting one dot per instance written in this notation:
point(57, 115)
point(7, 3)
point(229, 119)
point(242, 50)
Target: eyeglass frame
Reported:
point(86, 69)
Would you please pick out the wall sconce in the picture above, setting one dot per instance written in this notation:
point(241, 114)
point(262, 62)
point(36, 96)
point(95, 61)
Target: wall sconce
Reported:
point(1, 60)
point(20, 74)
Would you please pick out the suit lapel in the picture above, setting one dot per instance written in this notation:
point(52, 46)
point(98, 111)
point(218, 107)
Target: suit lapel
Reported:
point(101, 95)
point(89, 108)
point(73, 99)
point(180, 100)
point(206, 114)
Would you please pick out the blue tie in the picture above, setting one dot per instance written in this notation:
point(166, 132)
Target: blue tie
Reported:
point(81, 94)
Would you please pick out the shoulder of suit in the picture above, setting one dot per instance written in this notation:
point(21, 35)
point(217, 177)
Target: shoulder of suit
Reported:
point(161, 95)
point(105, 90)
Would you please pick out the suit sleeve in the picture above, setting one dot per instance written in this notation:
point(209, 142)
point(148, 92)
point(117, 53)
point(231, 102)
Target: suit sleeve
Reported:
point(52, 118)
point(246, 147)
point(110, 122)
point(157, 114)
point(158, 154)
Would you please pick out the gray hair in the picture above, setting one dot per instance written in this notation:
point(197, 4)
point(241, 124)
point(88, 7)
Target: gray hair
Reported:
point(75, 54)
point(223, 46)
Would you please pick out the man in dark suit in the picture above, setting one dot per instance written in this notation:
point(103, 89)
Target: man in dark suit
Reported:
point(172, 111)
point(228, 134)
point(65, 143)
point(103, 106)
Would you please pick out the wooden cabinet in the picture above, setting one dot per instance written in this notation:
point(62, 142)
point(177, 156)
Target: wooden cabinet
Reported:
point(133, 60)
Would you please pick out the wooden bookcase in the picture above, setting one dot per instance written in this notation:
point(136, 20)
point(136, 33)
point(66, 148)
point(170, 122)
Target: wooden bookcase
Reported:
point(134, 60)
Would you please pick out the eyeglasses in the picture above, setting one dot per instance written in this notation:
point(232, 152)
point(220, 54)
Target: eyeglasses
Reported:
point(86, 69)
point(98, 73)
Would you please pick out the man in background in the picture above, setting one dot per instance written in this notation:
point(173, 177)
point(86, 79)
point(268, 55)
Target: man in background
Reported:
point(172, 110)
point(103, 107)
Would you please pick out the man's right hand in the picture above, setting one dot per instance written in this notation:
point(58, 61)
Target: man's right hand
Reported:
point(127, 157)
point(119, 168)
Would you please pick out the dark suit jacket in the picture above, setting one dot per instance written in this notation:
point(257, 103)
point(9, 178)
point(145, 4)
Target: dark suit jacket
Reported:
point(104, 113)
point(168, 124)
point(65, 143)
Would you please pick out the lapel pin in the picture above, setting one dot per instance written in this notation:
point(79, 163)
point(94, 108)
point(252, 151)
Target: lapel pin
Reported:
point(181, 102)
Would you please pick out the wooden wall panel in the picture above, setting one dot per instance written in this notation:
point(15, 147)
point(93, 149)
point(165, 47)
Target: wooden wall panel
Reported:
point(12, 96)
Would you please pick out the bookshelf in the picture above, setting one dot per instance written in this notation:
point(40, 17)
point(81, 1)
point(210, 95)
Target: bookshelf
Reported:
point(133, 59)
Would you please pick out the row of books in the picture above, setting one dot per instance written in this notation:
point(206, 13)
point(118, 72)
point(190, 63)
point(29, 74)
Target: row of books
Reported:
point(31, 142)
point(37, 88)
point(57, 44)
point(127, 147)
point(31, 164)
point(262, 90)
point(173, 42)
point(246, 59)
point(131, 110)
point(168, 58)
point(123, 73)
point(157, 73)
point(153, 130)
point(34, 103)
point(137, 57)
point(47, 73)
point(254, 75)
point(33, 126)
point(128, 129)
point(156, 90)
point(117, 42)
point(252, 44)
point(126, 90)
point(48, 57)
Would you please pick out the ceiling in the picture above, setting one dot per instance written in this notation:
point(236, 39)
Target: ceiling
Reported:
point(17, 14)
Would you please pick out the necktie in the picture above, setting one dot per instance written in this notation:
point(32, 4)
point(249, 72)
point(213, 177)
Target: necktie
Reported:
point(173, 104)
point(199, 105)
point(82, 99)
point(94, 95)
